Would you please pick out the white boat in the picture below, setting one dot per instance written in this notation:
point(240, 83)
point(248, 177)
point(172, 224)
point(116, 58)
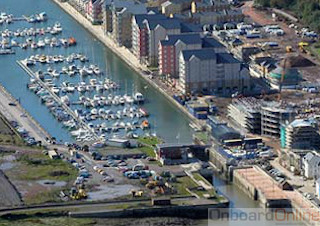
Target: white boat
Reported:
point(64, 70)
point(47, 40)
point(83, 72)
point(129, 100)
point(50, 69)
point(34, 45)
point(30, 62)
point(96, 97)
point(138, 98)
point(122, 100)
point(55, 59)
point(43, 16)
point(81, 89)
point(70, 89)
point(55, 90)
point(57, 27)
point(41, 43)
point(65, 100)
point(97, 71)
point(93, 82)
point(71, 73)
point(55, 73)
point(99, 88)
point(79, 132)
point(94, 111)
point(89, 71)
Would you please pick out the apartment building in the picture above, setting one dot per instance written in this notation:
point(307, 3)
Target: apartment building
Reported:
point(311, 165)
point(205, 70)
point(80, 5)
point(272, 116)
point(209, 6)
point(246, 112)
point(147, 31)
point(215, 17)
point(172, 7)
point(94, 11)
point(170, 48)
point(118, 18)
point(300, 134)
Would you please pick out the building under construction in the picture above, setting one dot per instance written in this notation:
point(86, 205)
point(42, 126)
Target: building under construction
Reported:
point(246, 112)
point(285, 74)
point(272, 116)
point(300, 134)
point(259, 117)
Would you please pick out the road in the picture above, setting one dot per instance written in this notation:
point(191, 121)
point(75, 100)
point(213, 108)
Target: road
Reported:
point(17, 113)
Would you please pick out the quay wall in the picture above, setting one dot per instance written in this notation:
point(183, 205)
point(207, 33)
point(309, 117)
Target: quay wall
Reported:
point(191, 211)
point(41, 132)
point(122, 52)
point(257, 194)
point(243, 184)
point(219, 162)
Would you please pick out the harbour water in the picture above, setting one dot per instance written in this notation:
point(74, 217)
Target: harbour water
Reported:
point(167, 121)
point(15, 79)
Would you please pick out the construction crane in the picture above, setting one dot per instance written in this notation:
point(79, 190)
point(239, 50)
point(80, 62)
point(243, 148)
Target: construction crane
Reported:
point(282, 77)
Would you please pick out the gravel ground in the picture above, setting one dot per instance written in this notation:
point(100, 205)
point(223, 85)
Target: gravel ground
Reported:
point(8, 194)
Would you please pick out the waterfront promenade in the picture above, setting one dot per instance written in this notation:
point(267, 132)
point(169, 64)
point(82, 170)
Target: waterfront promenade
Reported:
point(126, 56)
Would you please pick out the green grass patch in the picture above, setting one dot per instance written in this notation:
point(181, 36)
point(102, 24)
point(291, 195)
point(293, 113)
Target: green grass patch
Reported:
point(198, 177)
point(148, 151)
point(202, 136)
point(152, 141)
point(11, 139)
point(48, 221)
point(39, 167)
point(182, 184)
point(315, 49)
point(130, 205)
point(4, 153)
point(202, 193)
point(149, 143)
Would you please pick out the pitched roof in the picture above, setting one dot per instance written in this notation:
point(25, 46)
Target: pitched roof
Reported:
point(226, 58)
point(148, 17)
point(187, 27)
point(132, 6)
point(209, 54)
point(202, 54)
point(211, 43)
point(188, 39)
point(167, 23)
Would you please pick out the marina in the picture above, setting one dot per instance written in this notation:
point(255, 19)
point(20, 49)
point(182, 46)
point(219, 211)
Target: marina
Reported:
point(35, 38)
point(112, 67)
point(10, 18)
point(92, 109)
